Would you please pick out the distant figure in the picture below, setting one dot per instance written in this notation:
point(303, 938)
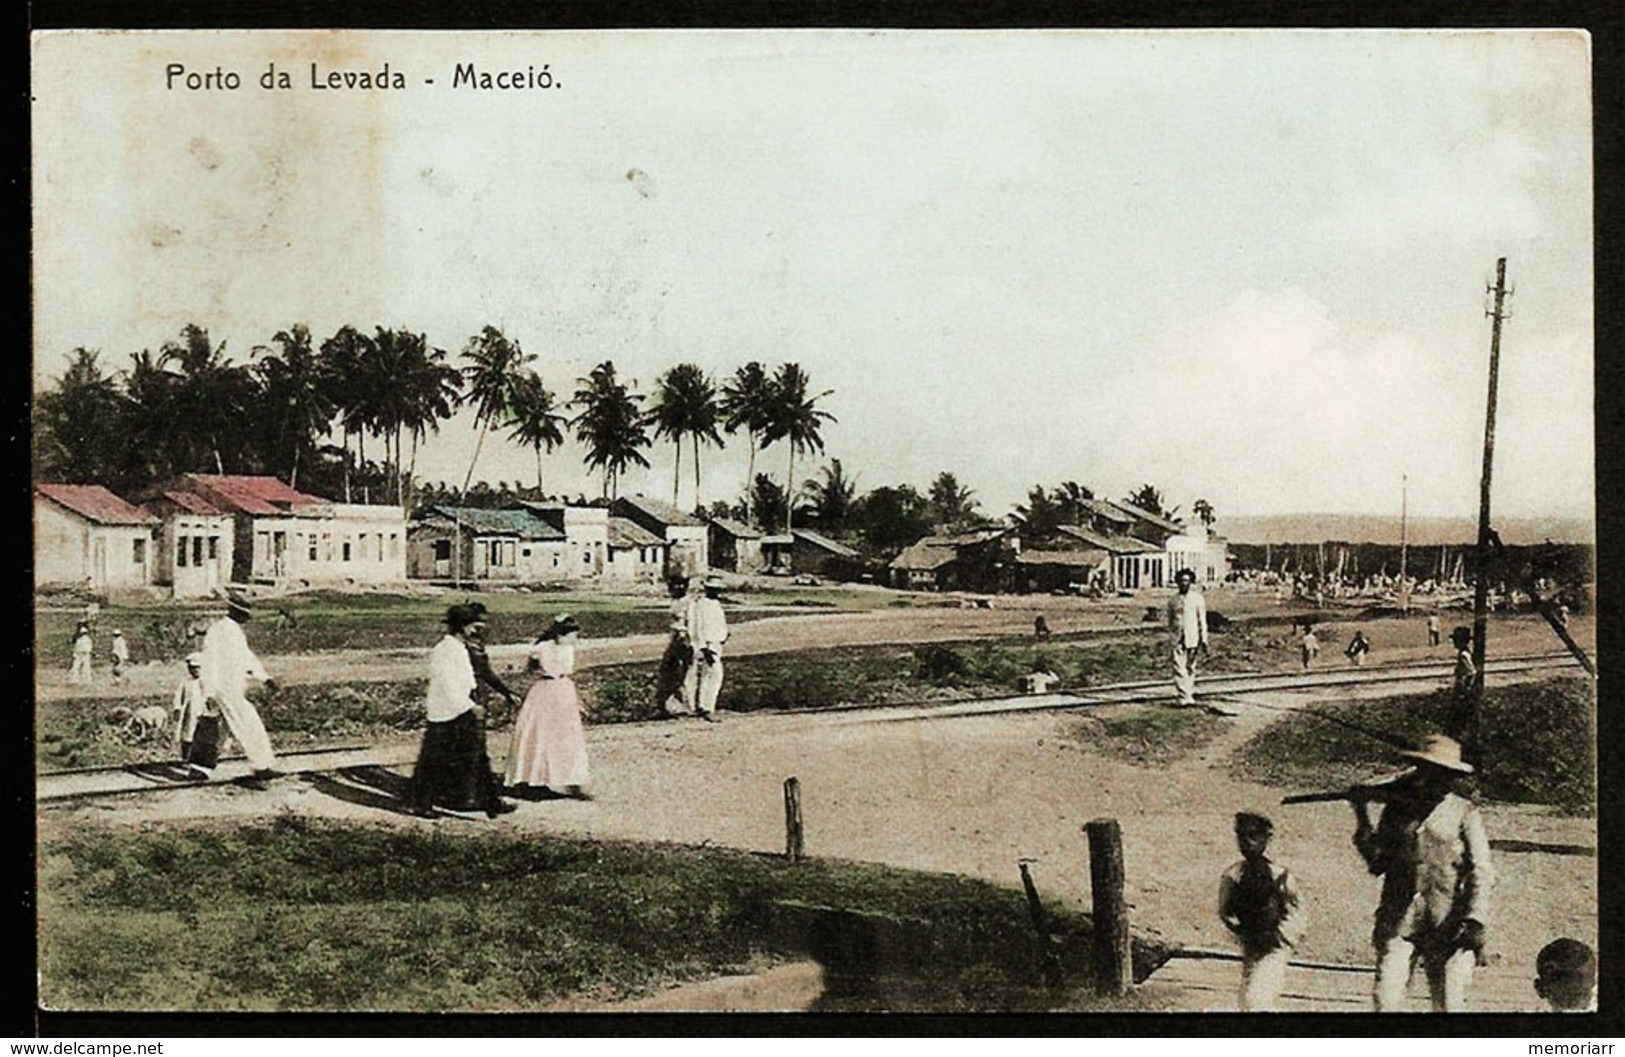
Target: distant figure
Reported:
point(121, 655)
point(1358, 647)
point(1433, 629)
point(708, 630)
point(1187, 621)
point(197, 722)
point(1433, 856)
point(1563, 614)
point(674, 681)
point(84, 651)
point(1566, 976)
point(1258, 903)
point(1310, 646)
point(549, 753)
point(228, 665)
point(1040, 627)
point(1041, 679)
point(1461, 637)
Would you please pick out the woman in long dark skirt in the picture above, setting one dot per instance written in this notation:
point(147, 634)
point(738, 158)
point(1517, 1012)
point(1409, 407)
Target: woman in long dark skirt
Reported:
point(453, 769)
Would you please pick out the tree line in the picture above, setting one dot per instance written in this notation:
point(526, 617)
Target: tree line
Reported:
point(189, 409)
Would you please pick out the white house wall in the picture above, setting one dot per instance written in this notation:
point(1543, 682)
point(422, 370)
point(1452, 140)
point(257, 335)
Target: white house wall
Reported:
point(69, 549)
point(206, 566)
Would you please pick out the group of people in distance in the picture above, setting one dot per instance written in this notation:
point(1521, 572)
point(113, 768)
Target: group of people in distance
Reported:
point(84, 653)
point(1431, 851)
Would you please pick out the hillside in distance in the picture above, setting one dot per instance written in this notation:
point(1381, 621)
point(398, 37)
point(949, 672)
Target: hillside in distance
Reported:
point(1422, 532)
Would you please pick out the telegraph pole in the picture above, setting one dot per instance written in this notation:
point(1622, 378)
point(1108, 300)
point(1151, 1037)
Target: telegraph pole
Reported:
point(1404, 501)
point(1482, 587)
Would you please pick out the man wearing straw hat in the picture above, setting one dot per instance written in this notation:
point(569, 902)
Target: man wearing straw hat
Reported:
point(1432, 854)
point(228, 665)
point(708, 630)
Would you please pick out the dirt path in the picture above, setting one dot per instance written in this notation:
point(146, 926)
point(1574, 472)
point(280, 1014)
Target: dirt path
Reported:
point(1007, 616)
point(968, 795)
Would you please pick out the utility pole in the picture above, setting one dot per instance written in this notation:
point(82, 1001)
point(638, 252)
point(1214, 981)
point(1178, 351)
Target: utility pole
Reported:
point(1482, 586)
point(1404, 589)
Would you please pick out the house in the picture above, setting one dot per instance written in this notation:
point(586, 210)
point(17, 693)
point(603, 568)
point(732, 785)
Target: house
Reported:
point(586, 535)
point(1075, 556)
point(496, 545)
point(195, 544)
point(805, 551)
point(85, 535)
point(735, 546)
point(967, 561)
point(280, 534)
point(1197, 548)
point(688, 535)
point(636, 555)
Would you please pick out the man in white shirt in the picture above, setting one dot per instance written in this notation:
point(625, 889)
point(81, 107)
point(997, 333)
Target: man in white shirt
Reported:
point(1187, 621)
point(228, 665)
point(708, 630)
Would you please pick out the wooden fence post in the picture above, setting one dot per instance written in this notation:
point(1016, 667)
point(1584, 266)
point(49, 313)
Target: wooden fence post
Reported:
point(794, 848)
point(1113, 965)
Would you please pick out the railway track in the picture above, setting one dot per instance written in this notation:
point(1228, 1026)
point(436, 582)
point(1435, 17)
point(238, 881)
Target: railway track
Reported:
point(90, 783)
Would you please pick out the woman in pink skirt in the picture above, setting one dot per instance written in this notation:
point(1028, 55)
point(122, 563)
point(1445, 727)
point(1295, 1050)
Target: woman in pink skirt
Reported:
point(549, 755)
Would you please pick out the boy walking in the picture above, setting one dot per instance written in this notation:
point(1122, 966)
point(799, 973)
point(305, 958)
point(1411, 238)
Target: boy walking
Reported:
point(1258, 903)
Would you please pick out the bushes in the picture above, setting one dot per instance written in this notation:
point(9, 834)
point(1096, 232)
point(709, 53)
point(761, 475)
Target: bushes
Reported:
point(1538, 743)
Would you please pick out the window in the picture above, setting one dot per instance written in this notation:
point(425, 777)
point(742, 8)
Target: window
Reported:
point(180, 552)
point(313, 546)
point(327, 546)
point(395, 545)
point(346, 548)
point(442, 550)
point(526, 552)
point(138, 552)
point(214, 548)
point(586, 557)
point(197, 550)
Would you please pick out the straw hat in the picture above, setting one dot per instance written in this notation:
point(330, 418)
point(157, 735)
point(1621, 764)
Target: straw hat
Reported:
point(1441, 752)
point(713, 583)
point(194, 660)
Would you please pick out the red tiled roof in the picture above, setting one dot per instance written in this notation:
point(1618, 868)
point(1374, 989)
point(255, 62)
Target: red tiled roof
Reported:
point(94, 503)
point(192, 504)
point(624, 532)
point(241, 494)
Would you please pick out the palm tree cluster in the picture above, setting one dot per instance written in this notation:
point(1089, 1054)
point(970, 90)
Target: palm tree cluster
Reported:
point(189, 408)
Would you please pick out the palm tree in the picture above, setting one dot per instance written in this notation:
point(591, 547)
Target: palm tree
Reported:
point(830, 500)
point(952, 504)
point(1040, 515)
point(79, 424)
point(433, 389)
point(1148, 498)
point(686, 406)
point(794, 417)
point(1204, 511)
point(213, 398)
point(535, 423)
point(747, 402)
point(294, 390)
point(345, 356)
point(1073, 500)
point(610, 424)
point(151, 441)
point(495, 365)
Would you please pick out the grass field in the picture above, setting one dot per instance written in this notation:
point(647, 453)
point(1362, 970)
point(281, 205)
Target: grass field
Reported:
point(329, 620)
point(300, 915)
point(1539, 743)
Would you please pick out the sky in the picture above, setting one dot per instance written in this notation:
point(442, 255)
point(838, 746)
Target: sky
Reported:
point(1245, 266)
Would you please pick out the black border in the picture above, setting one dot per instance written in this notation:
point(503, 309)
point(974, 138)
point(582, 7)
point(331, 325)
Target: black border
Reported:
point(1605, 22)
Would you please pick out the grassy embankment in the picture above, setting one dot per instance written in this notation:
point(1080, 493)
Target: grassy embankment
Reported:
point(300, 915)
point(1539, 743)
point(74, 733)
